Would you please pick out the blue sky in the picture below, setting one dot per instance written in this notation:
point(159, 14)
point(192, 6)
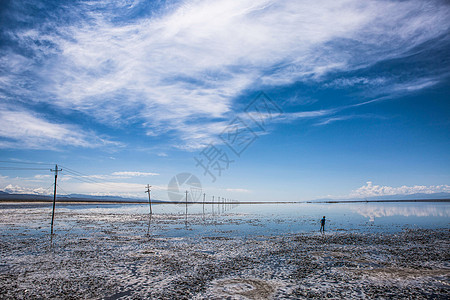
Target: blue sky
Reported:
point(128, 93)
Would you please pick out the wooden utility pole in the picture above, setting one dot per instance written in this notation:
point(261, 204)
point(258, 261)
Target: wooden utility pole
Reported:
point(54, 194)
point(149, 199)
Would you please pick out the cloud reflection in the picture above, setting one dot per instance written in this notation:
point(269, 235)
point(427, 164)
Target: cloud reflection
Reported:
point(379, 210)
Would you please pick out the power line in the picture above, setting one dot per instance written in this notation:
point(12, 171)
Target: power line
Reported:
point(87, 180)
point(64, 191)
point(71, 173)
point(49, 187)
point(85, 177)
point(75, 172)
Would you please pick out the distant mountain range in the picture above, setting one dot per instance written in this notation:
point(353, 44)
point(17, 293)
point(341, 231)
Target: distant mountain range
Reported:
point(6, 197)
point(68, 198)
point(418, 196)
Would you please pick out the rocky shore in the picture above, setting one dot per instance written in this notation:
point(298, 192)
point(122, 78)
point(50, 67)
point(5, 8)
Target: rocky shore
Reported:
point(117, 260)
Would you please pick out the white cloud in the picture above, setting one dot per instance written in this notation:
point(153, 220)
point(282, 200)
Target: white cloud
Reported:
point(289, 116)
point(101, 178)
point(133, 174)
point(16, 189)
point(40, 176)
point(25, 129)
point(179, 72)
point(68, 184)
point(371, 190)
point(110, 188)
point(415, 85)
point(237, 190)
point(347, 82)
point(196, 136)
point(330, 120)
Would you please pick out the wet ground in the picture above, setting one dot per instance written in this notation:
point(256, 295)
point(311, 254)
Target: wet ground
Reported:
point(123, 256)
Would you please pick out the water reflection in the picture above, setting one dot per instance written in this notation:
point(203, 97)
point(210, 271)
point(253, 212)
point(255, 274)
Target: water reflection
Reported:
point(379, 210)
point(185, 217)
point(229, 218)
point(149, 224)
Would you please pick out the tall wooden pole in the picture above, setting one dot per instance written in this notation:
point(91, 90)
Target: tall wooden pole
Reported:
point(149, 199)
point(54, 195)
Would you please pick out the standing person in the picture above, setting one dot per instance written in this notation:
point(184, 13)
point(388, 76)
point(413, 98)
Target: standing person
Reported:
point(322, 224)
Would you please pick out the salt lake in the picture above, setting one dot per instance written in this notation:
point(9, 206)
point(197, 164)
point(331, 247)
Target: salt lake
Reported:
point(225, 251)
point(178, 220)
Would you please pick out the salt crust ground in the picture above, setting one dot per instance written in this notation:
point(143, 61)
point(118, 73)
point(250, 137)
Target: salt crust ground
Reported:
point(107, 256)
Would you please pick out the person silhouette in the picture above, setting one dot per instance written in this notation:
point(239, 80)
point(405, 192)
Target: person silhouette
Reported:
point(322, 224)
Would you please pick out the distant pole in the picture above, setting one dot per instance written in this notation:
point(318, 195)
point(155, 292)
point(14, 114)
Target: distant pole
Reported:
point(54, 194)
point(149, 199)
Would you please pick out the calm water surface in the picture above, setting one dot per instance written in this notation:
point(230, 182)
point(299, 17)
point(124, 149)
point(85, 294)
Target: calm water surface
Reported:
point(173, 220)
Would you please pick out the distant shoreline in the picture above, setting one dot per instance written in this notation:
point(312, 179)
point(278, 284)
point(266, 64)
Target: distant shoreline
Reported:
point(132, 202)
point(371, 201)
point(96, 202)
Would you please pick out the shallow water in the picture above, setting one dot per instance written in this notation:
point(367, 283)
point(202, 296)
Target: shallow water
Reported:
point(225, 251)
point(225, 220)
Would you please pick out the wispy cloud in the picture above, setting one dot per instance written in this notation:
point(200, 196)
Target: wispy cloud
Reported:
point(307, 114)
point(42, 177)
point(342, 83)
point(238, 190)
point(414, 85)
point(179, 71)
point(21, 128)
point(134, 174)
point(332, 120)
point(112, 176)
